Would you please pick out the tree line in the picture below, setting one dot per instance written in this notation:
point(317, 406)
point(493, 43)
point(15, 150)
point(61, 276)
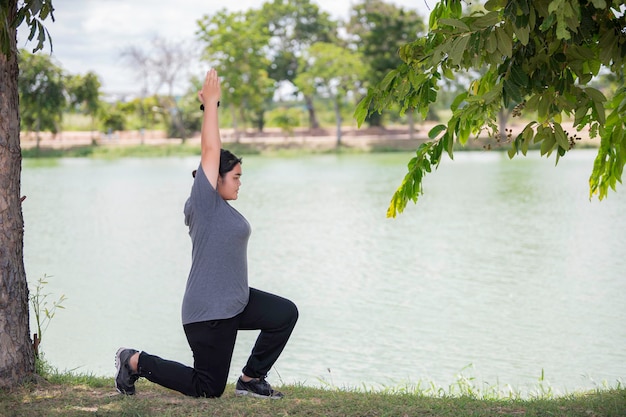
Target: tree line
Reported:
point(278, 63)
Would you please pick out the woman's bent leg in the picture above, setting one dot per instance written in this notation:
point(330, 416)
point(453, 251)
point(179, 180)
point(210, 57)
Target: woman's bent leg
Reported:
point(212, 344)
point(275, 317)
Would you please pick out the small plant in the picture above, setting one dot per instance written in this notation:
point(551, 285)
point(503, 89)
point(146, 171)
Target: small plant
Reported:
point(39, 302)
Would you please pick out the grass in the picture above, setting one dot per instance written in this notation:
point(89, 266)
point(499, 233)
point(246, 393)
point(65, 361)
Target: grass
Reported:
point(71, 395)
point(113, 152)
point(167, 150)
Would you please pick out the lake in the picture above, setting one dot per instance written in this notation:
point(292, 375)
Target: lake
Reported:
point(503, 272)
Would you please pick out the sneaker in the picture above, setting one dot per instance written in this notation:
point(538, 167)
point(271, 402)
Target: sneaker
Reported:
point(258, 388)
point(125, 378)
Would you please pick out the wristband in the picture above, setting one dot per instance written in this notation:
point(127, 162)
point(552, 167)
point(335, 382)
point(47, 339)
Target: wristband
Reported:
point(202, 106)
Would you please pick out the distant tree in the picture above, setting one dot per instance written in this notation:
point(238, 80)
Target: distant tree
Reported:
point(334, 72)
point(41, 87)
point(539, 57)
point(189, 105)
point(172, 61)
point(17, 356)
point(286, 118)
point(84, 95)
point(161, 66)
point(295, 25)
point(378, 29)
point(113, 120)
point(235, 44)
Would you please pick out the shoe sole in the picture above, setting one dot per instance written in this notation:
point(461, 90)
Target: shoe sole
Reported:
point(118, 366)
point(243, 393)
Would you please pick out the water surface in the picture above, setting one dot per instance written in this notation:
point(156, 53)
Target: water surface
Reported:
point(503, 270)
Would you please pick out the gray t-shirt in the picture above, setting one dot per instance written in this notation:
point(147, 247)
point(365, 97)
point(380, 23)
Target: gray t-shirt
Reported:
point(217, 287)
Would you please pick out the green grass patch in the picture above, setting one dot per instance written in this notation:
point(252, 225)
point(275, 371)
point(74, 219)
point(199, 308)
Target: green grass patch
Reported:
point(112, 152)
point(82, 395)
point(166, 150)
point(137, 151)
point(70, 394)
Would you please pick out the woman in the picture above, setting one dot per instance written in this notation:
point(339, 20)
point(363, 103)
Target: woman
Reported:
point(217, 301)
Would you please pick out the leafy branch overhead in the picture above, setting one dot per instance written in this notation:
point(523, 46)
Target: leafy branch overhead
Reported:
point(33, 12)
point(536, 56)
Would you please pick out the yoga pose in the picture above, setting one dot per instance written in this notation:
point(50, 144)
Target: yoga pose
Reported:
point(217, 301)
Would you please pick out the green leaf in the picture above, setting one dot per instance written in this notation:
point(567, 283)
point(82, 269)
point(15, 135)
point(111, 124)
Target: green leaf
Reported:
point(487, 20)
point(607, 44)
point(492, 95)
point(360, 113)
point(523, 34)
point(505, 43)
point(491, 42)
point(459, 24)
point(532, 103)
point(458, 100)
point(561, 137)
point(595, 95)
point(518, 76)
point(512, 90)
point(384, 84)
point(448, 143)
point(543, 107)
point(512, 152)
point(547, 145)
point(580, 113)
point(33, 30)
point(456, 7)
point(495, 4)
point(547, 23)
point(562, 31)
point(527, 135)
point(435, 131)
point(35, 6)
point(448, 73)
point(599, 107)
point(459, 46)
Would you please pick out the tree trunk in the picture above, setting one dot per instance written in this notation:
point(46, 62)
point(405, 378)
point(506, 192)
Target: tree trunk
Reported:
point(259, 120)
point(338, 118)
point(17, 359)
point(313, 123)
point(233, 112)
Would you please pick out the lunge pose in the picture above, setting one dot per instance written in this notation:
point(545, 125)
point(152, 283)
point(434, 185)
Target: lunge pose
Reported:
point(217, 301)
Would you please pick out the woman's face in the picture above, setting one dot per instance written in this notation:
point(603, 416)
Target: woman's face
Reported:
point(228, 185)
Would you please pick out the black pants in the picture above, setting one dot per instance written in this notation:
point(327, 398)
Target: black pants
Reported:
point(212, 343)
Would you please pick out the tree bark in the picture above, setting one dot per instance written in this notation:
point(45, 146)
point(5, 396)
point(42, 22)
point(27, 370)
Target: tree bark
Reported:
point(338, 119)
point(17, 359)
point(313, 123)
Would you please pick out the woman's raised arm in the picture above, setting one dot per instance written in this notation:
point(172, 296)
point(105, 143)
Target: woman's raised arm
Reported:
point(210, 140)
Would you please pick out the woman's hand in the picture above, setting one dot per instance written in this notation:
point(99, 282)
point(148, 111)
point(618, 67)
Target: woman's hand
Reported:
point(211, 92)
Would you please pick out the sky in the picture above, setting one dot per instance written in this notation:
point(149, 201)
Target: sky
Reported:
point(89, 35)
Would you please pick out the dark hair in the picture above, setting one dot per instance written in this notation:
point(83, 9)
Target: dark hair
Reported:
point(228, 160)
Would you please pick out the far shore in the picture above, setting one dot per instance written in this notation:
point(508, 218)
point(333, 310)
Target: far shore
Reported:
point(397, 137)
